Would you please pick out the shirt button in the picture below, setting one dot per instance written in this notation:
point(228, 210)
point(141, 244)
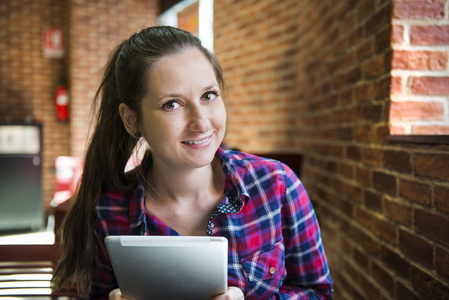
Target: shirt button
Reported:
point(272, 270)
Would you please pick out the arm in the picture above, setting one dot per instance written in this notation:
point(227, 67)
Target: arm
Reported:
point(104, 281)
point(111, 218)
point(305, 260)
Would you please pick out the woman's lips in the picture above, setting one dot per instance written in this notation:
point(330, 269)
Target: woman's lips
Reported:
point(202, 141)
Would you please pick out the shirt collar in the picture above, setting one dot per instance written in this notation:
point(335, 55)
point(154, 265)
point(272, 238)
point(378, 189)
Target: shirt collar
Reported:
point(235, 190)
point(137, 220)
point(234, 185)
point(137, 210)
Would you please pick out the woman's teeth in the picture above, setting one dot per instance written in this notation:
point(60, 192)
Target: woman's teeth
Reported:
point(197, 142)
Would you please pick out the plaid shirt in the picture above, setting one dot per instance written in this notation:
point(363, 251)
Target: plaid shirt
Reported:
point(275, 246)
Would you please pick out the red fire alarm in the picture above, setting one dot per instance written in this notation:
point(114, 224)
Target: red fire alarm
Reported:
point(53, 42)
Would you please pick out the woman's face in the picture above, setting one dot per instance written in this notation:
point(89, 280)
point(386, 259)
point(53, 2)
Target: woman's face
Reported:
point(183, 114)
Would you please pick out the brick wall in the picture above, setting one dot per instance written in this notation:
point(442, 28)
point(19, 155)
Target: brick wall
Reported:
point(314, 77)
point(28, 79)
point(256, 43)
point(96, 27)
point(420, 91)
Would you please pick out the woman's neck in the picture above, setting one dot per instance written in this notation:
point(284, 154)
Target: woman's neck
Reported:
point(174, 185)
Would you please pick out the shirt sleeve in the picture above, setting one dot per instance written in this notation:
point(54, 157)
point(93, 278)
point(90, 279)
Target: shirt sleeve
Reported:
point(111, 218)
point(104, 280)
point(305, 261)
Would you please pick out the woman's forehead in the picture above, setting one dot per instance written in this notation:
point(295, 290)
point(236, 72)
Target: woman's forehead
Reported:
point(186, 69)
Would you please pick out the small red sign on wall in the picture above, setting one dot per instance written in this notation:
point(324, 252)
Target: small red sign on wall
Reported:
point(53, 42)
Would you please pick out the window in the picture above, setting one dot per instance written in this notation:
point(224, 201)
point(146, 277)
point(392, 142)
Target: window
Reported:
point(195, 16)
point(419, 109)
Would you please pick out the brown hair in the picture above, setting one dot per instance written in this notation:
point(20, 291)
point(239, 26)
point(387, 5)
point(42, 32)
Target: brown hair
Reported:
point(124, 81)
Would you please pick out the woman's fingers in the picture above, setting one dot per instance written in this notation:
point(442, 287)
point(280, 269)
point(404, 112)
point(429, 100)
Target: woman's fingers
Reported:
point(115, 295)
point(233, 293)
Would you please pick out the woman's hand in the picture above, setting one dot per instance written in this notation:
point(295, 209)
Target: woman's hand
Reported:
point(116, 295)
point(233, 293)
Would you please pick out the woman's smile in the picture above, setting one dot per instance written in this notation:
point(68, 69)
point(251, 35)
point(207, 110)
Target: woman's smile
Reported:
point(201, 142)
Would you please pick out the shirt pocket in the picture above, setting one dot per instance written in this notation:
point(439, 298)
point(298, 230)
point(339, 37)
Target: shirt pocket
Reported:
point(265, 265)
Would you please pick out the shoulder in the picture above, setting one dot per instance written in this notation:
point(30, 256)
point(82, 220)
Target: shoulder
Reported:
point(246, 164)
point(113, 210)
point(113, 197)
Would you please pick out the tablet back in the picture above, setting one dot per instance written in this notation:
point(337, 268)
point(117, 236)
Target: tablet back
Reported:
point(169, 267)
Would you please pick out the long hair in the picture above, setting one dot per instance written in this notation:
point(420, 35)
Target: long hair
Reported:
point(124, 81)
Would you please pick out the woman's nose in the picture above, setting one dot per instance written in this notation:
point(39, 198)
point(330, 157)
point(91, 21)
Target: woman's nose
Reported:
point(198, 119)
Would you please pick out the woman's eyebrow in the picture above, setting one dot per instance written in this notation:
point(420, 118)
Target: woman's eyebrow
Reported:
point(212, 86)
point(175, 95)
point(164, 97)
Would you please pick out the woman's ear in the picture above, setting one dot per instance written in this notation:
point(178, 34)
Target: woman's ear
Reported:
point(129, 118)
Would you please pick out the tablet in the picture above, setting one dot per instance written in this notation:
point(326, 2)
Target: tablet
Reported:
point(169, 267)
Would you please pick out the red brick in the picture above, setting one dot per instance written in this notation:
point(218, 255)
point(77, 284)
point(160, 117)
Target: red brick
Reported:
point(427, 286)
point(416, 248)
point(352, 114)
point(373, 67)
point(432, 86)
point(398, 34)
point(346, 170)
point(441, 198)
point(361, 259)
point(417, 111)
point(419, 60)
point(336, 151)
point(365, 9)
point(354, 192)
point(353, 76)
point(383, 277)
point(382, 88)
point(370, 245)
point(431, 165)
point(396, 85)
point(442, 261)
point(413, 190)
point(432, 225)
point(431, 35)
point(345, 246)
point(418, 9)
point(372, 156)
point(384, 229)
point(405, 292)
point(363, 92)
point(381, 134)
point(369, 288)
point(373, 201)
point(383, 41)
point(397, 160)
point(347, 207)
point(363, 175)
point(365, 50)
point(363, 133)
point(345, 98)
point(363, 217)
point(385, 183)
point(379, 18)
point(398, 211)
point(397, 263)
point(430, 130)
point(351, 271)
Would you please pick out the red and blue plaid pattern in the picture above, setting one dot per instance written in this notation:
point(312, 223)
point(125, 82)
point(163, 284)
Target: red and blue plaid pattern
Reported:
point(275, 246)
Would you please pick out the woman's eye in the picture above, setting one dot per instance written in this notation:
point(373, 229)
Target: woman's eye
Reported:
point(171, 105)
point(209, 96)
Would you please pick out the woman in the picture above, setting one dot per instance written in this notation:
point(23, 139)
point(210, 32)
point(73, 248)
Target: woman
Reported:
point(163, 86)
